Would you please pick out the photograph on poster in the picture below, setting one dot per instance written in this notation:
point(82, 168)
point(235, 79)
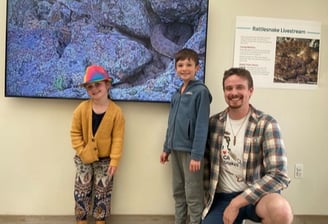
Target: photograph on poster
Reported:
point(296, 61)
point(280, 53)
point(50, 43)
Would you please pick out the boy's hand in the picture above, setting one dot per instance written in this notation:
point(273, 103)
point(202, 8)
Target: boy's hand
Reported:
point(194, 165)
point(164, 157)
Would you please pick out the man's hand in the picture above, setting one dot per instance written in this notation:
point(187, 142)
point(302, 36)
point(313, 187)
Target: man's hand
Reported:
point(232, 210)
point(230, 214)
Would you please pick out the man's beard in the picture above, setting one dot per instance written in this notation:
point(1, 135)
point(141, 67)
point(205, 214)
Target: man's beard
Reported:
point(233, 104)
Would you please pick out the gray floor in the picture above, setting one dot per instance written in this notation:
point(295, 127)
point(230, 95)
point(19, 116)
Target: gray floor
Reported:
point(130, 219)
point(114, 219)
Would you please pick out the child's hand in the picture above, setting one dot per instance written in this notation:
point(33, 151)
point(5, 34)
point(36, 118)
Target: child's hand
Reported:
point(164, 157)
point(194, 165)
point(111, 170)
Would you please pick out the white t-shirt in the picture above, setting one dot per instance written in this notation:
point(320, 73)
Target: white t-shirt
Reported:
point(231, 177)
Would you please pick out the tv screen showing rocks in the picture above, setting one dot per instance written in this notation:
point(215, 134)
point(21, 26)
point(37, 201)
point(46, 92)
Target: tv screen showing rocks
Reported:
point(49, 44)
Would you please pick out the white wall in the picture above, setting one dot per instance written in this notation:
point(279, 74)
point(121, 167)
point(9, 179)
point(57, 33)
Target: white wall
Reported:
point(36, 166)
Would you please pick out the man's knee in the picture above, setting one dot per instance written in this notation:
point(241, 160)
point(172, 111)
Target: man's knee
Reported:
point(274, 208)
point(286, 216)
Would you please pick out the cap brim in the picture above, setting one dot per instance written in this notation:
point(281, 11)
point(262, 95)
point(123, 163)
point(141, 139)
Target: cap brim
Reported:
point(93, 81)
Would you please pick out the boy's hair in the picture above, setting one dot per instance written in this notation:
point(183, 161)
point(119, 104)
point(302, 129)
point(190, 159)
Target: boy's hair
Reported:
point(241, 72)
point(187, 53)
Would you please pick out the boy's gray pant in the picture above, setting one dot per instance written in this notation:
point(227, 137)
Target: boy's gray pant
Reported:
point(188, 190)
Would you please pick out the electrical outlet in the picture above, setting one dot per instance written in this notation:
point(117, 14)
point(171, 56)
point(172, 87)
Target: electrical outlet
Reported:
point(299, 170)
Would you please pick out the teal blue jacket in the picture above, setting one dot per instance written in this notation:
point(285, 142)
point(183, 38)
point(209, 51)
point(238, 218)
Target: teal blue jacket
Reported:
point(188, 120)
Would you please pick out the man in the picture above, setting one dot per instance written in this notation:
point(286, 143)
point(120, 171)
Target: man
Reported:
point(245, 160)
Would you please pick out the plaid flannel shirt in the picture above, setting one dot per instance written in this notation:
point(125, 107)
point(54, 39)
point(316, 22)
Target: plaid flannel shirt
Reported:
point(264, 158)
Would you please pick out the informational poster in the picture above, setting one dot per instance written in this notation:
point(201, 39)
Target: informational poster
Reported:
point(279, 53)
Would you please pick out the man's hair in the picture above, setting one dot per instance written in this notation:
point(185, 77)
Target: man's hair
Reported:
point(187, 53)
point(241, 72)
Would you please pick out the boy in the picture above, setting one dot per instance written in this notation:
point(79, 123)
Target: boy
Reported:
point(186, 138)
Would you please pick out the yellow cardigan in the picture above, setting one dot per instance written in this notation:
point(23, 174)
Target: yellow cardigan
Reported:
point(108, 140)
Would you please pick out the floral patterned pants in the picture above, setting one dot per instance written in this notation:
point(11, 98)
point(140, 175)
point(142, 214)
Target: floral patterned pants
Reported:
point(93, 189)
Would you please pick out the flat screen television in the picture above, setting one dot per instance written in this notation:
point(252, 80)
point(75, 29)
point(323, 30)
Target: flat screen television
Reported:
point(50, 43)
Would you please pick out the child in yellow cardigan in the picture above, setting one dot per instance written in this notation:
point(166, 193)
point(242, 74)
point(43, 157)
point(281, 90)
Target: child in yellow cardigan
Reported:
point(97, 133)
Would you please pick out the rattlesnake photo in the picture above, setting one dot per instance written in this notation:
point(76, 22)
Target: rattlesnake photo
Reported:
point(296, 60)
